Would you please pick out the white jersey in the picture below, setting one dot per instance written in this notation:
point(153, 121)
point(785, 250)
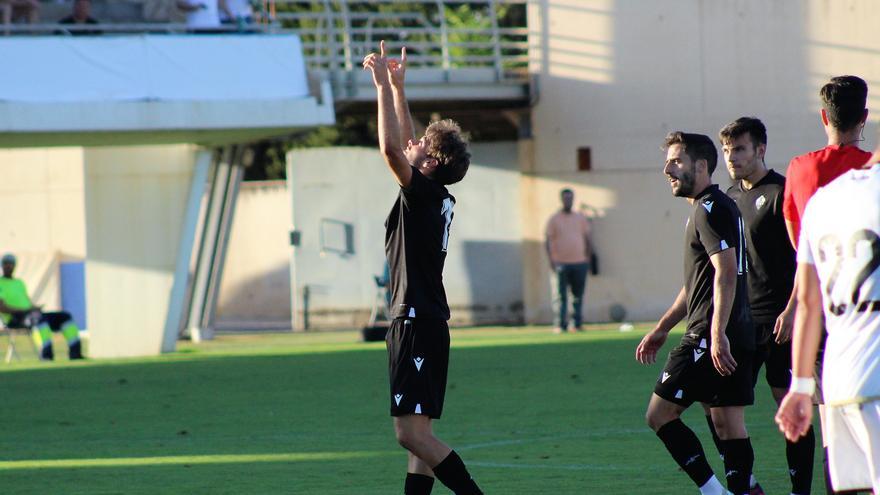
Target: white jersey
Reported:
point(840, 235)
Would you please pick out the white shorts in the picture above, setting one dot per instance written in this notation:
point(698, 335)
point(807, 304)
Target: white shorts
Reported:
point(853, 433)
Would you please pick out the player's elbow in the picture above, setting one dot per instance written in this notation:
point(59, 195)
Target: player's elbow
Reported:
point(725, 279)
point(389, 148)
point(809, 300)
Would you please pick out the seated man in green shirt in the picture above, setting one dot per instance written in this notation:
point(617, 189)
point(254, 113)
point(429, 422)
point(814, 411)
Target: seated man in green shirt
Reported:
point(16, 310)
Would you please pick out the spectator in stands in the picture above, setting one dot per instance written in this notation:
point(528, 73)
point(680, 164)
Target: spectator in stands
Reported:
point(17, 310)
point(201, 15)
point(236, 12)
point(82, 14)
point(15, 10)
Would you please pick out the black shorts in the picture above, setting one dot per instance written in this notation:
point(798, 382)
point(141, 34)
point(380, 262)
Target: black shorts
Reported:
point(689, 376)
point(418, 361)
point(777, 357)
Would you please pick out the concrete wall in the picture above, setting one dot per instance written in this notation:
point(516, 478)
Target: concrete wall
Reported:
point(41, 195)
point(135, 199)
point(352, 185)
point(616, 76)
point(255, 290)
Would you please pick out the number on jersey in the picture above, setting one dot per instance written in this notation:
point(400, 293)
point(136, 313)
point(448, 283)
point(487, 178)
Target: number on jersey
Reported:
point(446, 211)
point(831, 249)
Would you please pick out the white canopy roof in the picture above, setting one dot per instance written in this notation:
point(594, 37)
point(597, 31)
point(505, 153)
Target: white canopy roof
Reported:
point(58, 89)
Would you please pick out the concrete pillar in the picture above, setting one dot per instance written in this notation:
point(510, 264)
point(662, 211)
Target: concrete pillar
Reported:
point(136, 200)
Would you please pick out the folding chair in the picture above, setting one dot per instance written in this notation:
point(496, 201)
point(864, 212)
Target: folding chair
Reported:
point(11, 333)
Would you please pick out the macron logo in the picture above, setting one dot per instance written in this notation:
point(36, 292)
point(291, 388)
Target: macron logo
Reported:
point(708, 206)
point(698, 353)
point(397, 398)
point(419, 362)
point(665, 377)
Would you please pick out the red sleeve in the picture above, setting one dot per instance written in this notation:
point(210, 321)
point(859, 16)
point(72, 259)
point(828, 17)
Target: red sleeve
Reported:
point(789, 210)
point(800, 185)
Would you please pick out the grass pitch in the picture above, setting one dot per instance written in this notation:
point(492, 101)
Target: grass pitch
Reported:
point(530, 412)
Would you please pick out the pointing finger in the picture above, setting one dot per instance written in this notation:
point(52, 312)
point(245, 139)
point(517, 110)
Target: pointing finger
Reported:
point(403, 55)
point(382, 48)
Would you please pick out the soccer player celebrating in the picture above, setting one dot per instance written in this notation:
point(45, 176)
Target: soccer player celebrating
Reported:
point(843, 117)
point(416, 238)
point(713, 362)
point(758, 193)
point(839, 272)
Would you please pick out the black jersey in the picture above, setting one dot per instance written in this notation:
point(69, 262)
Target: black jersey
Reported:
point(713, 226)
point(772, 260)
point(416, 237)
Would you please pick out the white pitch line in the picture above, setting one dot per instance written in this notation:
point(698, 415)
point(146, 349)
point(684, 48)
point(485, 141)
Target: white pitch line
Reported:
point(565, 467)
point(520, 441)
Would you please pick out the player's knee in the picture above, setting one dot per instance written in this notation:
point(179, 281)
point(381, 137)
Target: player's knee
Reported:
point(408, 438)
point(656, 419)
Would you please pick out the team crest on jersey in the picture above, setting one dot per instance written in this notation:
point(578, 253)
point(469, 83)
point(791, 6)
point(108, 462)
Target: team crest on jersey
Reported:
point(760, 202)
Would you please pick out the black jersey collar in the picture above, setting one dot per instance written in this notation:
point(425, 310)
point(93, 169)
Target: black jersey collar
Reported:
point(766, 178)
point(706, 192)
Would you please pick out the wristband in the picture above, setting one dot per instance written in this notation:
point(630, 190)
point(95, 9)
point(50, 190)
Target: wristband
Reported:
point(800, 385)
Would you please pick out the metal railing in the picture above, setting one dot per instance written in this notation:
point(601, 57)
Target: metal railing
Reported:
point(337, 34)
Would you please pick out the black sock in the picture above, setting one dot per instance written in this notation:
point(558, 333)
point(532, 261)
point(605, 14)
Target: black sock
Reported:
point(800, 462)
point(75, 350)
point(738, 461)
point(685, 448)
point(452, 473)
point(715, 436)
point(418, 484)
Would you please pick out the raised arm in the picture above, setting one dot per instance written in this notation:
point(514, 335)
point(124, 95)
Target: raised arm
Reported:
point(389, 130)
point(397, 72)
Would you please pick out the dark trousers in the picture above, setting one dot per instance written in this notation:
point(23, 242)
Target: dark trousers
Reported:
point(569, 277)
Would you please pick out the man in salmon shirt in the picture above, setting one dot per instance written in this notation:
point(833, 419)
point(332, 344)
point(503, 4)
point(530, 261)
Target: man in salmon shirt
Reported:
point(843, 116)
point(569, 248)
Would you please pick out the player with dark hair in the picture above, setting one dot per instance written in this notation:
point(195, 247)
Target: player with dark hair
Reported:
point(416, 239)
point(713, 362)
point(843, 117)
point(843, 114)
point(758, 193)
point(839, 275)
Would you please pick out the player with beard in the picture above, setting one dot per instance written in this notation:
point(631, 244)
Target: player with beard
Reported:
point(758, 193)
point(713, 362)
